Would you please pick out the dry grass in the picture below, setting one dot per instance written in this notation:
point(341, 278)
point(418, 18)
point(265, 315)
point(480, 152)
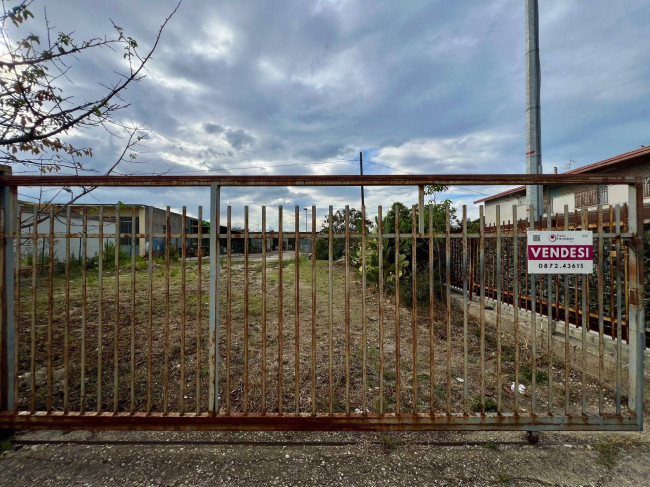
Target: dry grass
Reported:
point(232, 388)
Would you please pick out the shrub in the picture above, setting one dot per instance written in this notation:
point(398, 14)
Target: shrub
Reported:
point(109, 255)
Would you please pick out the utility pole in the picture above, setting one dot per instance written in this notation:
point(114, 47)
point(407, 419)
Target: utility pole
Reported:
point(534, 194)
point(361, 170)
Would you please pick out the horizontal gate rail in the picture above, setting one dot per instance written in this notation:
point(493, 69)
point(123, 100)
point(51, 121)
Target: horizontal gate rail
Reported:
point(318, 422)
point(285, 342)
point(328, 180)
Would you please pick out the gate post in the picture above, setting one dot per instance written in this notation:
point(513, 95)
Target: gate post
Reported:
point(636, 302)
point(214, 323)
point(8, 204)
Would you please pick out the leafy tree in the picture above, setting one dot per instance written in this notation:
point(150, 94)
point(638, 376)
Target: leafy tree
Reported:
point(37, 111)
point(338, 227)
point(438, 212)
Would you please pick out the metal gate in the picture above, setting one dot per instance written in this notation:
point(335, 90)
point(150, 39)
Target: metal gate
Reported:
point(111, 321)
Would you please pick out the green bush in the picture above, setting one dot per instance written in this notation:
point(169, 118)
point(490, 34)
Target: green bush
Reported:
point(141, 263)
point(372, 261)
point(490, 405)
point(109, 255)
point(173, 253)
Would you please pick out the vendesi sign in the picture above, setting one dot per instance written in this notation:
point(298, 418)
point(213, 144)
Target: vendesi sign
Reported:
point(565, 252)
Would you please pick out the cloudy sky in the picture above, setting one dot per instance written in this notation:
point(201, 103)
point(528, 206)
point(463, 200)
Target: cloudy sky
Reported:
point(301, 87)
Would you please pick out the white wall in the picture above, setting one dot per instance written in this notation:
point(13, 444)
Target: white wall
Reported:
point(76, 226)
point(616, 195)
point(505, 208)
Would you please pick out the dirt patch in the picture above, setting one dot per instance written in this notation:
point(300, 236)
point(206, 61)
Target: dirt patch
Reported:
point(161, 363)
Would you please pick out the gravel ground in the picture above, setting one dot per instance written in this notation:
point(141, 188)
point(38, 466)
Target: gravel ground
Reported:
point(439, 458)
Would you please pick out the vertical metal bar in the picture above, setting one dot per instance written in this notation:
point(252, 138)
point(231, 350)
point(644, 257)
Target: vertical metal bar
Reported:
point(432, 381)
point(313, 310)
point(133, 232)
point(567, 358)
point(482, 302)
point(626, 293)
point(612, 302)
point(32, 368)
point(398, 272)
point(499, 284)
point(347, 309)
point(66, 331)
point(280, 312)
point(448, 303)
point(364, 323)
point(414, 311)
point(421, 209)
point(619, 312)
point(246, 351)
point(601, 311)
point(636, 303)
point(199, 304)
point(263, 309)
point(84, 299)
point(380, 252)
point(465, 317)
point(150, 307)
point(515, 302)
point(13, 329)
point(116, 357)
point(296, 283)
point(166, 375)
point(585, 324)
point(9, 262)
point(330, 311)
point(100, 303)
point(214, 321)
point(183, 305)
point(228, 303)
point(549, 227)
point(50, 308)
point(533, 327)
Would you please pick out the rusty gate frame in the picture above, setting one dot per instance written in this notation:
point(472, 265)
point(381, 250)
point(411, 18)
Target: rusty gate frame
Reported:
point(11, 418)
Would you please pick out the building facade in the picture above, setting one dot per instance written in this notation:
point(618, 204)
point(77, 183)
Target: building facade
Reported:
point(578, 197)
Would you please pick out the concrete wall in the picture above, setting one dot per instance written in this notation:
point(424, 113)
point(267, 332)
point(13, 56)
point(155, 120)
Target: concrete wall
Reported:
point(60, 226)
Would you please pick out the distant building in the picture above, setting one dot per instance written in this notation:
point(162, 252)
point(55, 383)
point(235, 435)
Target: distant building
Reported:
point(127, 215)
point(634, 163)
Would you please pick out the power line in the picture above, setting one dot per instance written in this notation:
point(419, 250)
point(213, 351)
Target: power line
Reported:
point(411, 174)
point(263, 167)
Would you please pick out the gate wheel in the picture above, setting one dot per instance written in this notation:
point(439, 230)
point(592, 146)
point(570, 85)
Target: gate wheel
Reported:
point(532, 437)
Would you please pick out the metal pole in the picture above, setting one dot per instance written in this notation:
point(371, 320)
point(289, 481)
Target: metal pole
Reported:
point(636, 303)
point(363, 203)
point(215, 228)
point(8, 203)
point(421, 208)
point(534, 194)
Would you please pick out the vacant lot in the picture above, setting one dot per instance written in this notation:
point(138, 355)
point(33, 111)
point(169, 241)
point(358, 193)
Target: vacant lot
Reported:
point(171, 346)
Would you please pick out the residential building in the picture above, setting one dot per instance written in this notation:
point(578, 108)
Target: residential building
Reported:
point(634, 163)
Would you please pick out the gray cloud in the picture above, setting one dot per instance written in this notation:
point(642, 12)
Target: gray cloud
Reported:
point(239, 139)
point(212, 128)
point(423, 87)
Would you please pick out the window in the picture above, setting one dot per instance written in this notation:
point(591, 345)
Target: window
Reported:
point(591, 197)
point(125, 227)
point(646, 187)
